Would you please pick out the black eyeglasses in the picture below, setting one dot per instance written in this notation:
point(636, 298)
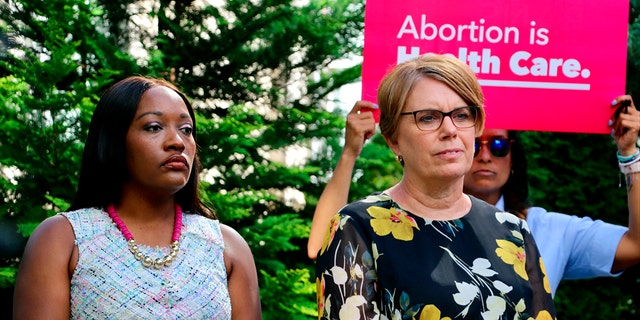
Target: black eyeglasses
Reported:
point(499, 147)
point(430, 120)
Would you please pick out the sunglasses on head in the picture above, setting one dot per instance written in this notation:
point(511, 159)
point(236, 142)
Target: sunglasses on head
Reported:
point(499, 147)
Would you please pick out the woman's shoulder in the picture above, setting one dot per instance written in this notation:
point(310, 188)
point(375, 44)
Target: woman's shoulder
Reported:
point(362, 211)
point(55, 224)
point(88, 213)
point(200, 220)
point(87, 221)
point(203, 227)
point(54, 231)
point(237, 250)
point(230, 235)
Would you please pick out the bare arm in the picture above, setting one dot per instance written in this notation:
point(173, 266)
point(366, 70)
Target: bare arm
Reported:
point(42, 287)
point(626, 134)
point(360, 127)
point(242, 276)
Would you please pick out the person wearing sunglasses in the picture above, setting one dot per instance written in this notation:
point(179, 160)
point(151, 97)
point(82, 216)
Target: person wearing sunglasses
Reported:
point(423, 249)
point(492, 168)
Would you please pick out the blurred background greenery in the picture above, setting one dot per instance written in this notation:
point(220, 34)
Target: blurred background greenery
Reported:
point(261, 75)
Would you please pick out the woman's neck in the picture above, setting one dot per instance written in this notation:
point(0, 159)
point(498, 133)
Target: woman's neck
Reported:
point(436, 204)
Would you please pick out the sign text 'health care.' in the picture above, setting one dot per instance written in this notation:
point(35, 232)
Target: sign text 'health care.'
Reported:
point(482, 61)
point(552, 65)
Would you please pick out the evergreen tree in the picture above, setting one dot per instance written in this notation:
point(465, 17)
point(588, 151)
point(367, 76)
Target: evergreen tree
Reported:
point(258, 74)
point(54, 64)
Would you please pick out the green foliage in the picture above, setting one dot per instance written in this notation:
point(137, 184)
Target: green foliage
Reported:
point(377, 170)
point(289, 293)
point(49, 88)
point(7, 276)
point(589, 188)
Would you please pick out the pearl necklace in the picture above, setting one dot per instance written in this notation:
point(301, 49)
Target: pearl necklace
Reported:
point(133, 247)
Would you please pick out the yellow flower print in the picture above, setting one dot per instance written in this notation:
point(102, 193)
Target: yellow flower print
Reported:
point(431, 312)
point(394, 221)
point(513, 255)
point(328, 236)
point(544, 315)
point(545, 280)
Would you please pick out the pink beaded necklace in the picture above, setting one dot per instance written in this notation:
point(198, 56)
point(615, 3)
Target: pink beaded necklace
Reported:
point(133, 247)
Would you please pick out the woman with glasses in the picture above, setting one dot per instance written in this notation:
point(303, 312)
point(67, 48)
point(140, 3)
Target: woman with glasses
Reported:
point(499, 176)
point(423, 249)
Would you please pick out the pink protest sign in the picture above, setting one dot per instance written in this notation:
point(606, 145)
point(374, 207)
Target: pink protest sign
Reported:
point(548, 65)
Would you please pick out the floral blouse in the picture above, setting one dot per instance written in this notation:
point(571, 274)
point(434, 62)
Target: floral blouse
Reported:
point(379, 261)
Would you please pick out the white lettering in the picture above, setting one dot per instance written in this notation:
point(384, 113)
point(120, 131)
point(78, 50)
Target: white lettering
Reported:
point(514, 63)
point(424, 26)
point(447, 28)
point(571, 68)
point(408, 27)
point(403, 55)
point(542, 36)
point(497, 37)
point(462, 32)
point(473, 28)
point(474, 59)
point(480, 63)
point(490, 62)
point(462, 55)
point(542, 67)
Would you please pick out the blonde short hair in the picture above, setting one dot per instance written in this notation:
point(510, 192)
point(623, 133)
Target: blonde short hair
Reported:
point(397, 84)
